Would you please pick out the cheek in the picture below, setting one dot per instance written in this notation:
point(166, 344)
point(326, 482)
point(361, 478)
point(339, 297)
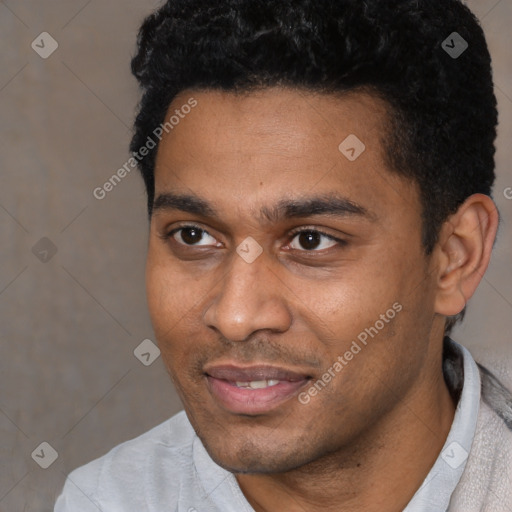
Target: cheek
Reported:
point(347, 303)
point(161, 299)
point(175, 308)
point(170, 296)
point(381, 300)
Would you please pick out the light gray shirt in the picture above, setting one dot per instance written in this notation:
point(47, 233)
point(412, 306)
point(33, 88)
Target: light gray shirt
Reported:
point(167, 469)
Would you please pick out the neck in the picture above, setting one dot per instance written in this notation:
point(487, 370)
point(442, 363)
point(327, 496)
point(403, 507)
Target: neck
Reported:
point(380, 471)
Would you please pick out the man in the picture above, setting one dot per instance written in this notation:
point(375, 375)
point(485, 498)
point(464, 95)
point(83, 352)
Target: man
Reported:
point(320, 214)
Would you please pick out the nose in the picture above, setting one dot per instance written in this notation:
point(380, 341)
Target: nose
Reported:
point(250, 298)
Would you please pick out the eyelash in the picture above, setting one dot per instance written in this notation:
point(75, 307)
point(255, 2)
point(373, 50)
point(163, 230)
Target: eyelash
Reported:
point(292, 235)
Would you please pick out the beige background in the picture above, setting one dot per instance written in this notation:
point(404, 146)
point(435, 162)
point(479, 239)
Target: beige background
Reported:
point(68, 327)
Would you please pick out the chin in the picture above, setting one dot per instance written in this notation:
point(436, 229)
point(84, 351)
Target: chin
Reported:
point(249, 457)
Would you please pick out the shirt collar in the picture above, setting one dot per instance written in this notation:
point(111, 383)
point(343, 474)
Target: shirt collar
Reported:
point(463, 379)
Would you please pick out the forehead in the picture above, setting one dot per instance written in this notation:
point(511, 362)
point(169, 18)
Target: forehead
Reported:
point(280, 116)
point(263, 146)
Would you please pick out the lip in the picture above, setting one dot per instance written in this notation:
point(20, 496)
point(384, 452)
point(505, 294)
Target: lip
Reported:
point(235, 373)
point(221, 384)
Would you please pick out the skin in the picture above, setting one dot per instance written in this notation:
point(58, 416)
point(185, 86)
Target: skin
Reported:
point(369, 438)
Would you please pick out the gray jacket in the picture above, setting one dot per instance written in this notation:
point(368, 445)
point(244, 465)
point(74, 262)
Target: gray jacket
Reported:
point(486, 484)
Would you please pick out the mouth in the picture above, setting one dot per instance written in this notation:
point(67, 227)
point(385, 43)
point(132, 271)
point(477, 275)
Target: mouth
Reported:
point(253, 390)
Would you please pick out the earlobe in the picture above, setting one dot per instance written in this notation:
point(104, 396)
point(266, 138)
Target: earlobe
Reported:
point(464, 251)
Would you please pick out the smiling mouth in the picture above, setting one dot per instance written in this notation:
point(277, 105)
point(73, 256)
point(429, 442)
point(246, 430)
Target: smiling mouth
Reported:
point(253, 390)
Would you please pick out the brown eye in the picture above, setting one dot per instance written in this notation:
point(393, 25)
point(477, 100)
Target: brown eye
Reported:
point(190, 235)
point(310, 240)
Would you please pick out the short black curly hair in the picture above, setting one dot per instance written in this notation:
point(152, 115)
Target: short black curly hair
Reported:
point(442, 107)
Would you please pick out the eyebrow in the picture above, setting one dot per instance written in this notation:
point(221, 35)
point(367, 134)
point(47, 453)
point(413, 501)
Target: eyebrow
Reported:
point(327, 204)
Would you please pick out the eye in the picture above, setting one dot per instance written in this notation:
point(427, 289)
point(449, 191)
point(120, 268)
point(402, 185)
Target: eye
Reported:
point(311, 239)
point(190, 235)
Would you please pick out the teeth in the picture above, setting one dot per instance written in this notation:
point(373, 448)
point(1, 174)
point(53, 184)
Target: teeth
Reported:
point(257, 384)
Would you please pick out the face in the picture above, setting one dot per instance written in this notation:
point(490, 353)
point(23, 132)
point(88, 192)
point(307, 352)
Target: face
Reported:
point(280, 264)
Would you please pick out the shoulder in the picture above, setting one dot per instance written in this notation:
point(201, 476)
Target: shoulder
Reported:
point(487, 479)
point(127, 477)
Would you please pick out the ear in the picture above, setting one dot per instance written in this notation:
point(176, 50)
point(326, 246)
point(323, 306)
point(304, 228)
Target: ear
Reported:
point(463, 252)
